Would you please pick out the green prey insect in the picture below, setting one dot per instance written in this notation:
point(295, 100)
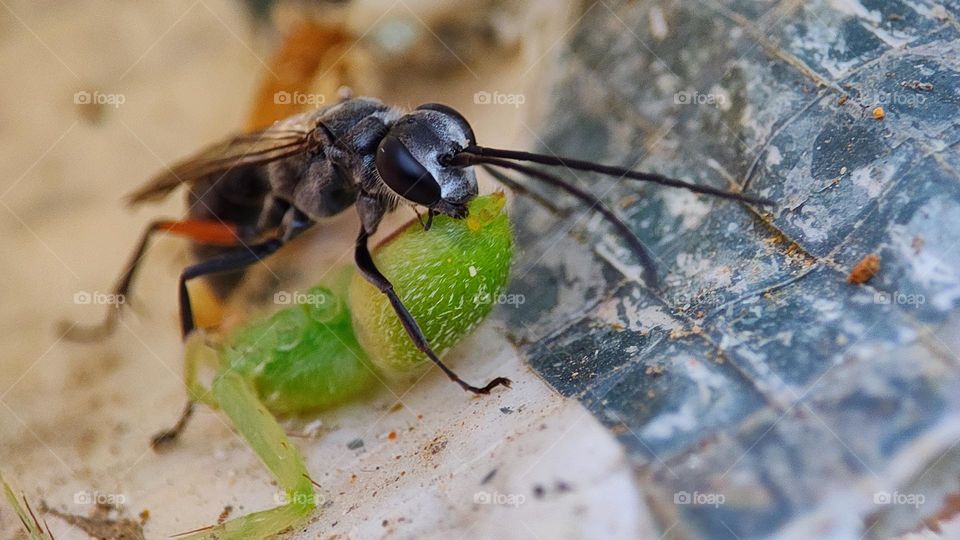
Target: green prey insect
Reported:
point(333, 346)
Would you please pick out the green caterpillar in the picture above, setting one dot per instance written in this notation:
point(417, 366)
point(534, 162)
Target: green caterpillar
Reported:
point(333, 346)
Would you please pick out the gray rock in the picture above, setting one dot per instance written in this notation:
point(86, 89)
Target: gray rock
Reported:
point(758, 391)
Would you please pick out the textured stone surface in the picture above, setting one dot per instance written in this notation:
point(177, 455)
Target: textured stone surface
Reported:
point(756, 375)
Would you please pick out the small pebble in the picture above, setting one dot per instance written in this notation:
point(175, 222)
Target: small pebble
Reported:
point(354, 444)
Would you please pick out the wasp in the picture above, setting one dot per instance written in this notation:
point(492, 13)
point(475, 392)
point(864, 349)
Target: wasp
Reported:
point(251, 194)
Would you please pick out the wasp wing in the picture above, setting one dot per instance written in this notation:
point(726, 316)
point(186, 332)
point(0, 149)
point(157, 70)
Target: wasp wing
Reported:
point(248, 150)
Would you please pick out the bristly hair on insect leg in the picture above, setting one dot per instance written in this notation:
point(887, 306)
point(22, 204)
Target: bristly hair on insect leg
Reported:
point(481, 155)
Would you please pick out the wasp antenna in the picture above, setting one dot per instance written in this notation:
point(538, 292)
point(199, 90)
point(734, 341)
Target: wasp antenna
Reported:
point(594, 204)
point(520, 189)
point(611, 170)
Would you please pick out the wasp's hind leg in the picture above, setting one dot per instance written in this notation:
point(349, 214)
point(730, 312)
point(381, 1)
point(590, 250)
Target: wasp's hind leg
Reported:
point(214, 233)
point(294, 223)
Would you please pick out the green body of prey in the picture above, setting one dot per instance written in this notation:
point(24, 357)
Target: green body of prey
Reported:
point(332, 346)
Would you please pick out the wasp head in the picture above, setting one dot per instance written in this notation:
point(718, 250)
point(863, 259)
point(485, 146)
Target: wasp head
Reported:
point(415, 159)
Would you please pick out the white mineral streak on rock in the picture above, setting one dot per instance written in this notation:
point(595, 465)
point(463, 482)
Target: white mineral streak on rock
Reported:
point(665, 425)
point(868, 179)
point(691, 265)
point(855, 9)
point(934, 266)
point(774, 157)
point(709, 385)
point(706, 270)
point(766, 380)
point(628, 312)
point(821, 42)
point(936, 11)
point(889, 38)
point(830, 310)
point(632, 271)
point(811, 223)
point(688, 206)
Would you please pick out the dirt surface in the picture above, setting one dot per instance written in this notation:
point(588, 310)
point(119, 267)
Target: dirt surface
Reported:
point(75, 419)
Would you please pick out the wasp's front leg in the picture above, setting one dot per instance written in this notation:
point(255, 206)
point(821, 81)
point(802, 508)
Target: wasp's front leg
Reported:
point(372, 274)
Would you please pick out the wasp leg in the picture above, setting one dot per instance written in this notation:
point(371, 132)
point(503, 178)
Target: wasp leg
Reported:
point(204, 232)
point(226, 263)
point(372, 274)
point(294, 224)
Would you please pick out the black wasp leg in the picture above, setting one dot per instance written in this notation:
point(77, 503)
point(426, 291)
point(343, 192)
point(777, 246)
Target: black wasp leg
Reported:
point(233, 261)
point(294, 224)
point(227, 263)
point(372, 274)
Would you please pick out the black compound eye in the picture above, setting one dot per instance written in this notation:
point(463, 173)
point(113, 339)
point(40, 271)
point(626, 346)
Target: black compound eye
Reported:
point(404, 174)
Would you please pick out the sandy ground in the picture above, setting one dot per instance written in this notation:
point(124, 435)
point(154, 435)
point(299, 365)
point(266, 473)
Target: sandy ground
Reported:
point(75, 419)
